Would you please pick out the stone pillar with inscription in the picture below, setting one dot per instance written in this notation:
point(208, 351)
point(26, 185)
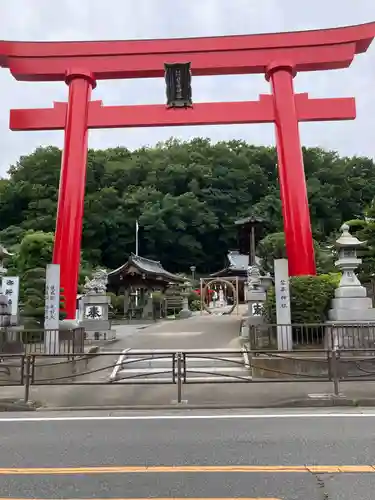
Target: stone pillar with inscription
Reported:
point(283, 311)
point(52, 310)
point(10, 288)
point(9, 291)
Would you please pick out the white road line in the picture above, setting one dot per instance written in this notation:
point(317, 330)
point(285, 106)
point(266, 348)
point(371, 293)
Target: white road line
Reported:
point(118, 364)
point(259, 416)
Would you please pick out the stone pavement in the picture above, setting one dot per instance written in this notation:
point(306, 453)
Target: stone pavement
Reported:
point(198, 332)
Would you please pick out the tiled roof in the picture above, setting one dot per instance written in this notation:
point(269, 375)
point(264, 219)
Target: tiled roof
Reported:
point(237, 262)
point(246, 220)
point(148, 266)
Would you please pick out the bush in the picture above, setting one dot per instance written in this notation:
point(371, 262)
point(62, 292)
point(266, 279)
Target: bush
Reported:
point(310, 298)
point(195, 305)
point(116, 308)
point(193, 296)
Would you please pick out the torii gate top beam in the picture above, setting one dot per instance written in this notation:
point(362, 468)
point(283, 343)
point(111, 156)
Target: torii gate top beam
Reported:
point(307, 50)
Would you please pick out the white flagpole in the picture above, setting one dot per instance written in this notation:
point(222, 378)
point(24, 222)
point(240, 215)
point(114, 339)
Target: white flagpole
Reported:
point(136, 237)
point(136, 253)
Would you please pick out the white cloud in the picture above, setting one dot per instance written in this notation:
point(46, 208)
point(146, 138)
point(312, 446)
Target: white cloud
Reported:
point(127, 19)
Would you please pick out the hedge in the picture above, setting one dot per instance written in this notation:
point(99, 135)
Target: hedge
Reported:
point(310, 298)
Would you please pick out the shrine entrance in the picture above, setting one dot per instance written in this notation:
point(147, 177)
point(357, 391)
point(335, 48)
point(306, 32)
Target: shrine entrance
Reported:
point(278, 56)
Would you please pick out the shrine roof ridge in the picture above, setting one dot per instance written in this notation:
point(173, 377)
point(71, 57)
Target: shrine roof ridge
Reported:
point(361, 34)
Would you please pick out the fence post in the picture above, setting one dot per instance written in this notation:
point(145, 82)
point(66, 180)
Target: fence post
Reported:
point(179, 377)
point(335, 371)
point(27, 378)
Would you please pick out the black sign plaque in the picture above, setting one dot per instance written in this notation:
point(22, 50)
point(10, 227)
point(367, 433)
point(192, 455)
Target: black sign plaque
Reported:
point(178, 82)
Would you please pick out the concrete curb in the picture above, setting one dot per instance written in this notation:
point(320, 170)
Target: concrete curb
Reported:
point(17, 405)
point(291, 403)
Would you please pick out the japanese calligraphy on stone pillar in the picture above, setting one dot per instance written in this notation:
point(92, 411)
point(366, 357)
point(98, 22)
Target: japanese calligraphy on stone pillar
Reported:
point(52, 309)
point(10, 288)
point(257, 309)
point(283, 313)
point(93, 312)
point(52, 297)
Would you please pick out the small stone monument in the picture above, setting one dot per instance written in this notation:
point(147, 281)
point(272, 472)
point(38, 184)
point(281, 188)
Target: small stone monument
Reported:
point(351, 317)
point(95, 307)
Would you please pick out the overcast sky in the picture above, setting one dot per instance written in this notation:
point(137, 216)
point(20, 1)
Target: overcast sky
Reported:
point(136, 19)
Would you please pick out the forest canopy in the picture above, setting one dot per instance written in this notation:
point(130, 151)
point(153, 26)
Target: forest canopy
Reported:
point(186, 196)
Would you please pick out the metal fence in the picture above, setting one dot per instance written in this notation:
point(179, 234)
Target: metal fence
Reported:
point(17, 341)
point(188, 368)
point(311, 335)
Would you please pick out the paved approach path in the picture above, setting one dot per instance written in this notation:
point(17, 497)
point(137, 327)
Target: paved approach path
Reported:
point(278, 455)
point(198, 332)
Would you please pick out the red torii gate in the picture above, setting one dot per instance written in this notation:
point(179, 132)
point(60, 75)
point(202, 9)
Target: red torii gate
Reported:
point(279, 56)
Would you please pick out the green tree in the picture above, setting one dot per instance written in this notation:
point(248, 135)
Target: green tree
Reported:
point(273, 247)
point(34, 253)
point(186, 196)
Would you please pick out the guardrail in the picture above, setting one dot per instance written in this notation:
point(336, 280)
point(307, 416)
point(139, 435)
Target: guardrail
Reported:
point(316, 335)
point(188, 367)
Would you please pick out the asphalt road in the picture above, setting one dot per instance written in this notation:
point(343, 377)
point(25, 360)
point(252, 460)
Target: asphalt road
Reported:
point(185, 454)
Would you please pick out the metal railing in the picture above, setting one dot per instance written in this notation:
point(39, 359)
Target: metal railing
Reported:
point(188, 367)
point(311, 335)
point(17, 341)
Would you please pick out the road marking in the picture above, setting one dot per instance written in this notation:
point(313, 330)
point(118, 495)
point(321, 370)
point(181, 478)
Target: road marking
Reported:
point(158, 469)
point(241, 416)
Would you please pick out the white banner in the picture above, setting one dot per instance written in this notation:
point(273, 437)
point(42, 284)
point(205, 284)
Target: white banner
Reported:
point(283, 312)
point(11, 288)
point(52, 309)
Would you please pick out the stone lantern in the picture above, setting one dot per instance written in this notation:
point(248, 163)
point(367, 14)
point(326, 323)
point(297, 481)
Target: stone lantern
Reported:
point(185, 292)
point(348, 261)
point(352, 317)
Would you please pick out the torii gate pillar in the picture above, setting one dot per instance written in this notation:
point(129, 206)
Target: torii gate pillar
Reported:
point(68, 233)
point(295, 205)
